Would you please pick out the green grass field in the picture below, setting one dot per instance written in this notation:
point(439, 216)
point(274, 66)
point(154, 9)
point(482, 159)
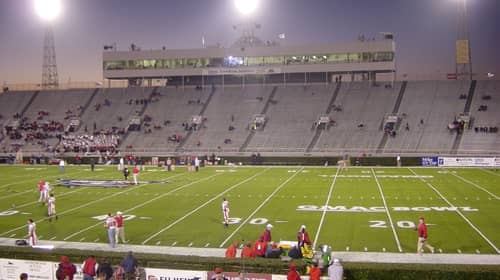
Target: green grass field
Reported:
point(186, 211)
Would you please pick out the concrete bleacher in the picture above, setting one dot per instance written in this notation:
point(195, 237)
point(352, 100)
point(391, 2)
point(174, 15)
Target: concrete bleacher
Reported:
point(436, 103)
point(361, 104)
point(481, 142)
point(231, 106)
point(172, 105)
point(12, 103)
point(291, 117)
point(107, 116)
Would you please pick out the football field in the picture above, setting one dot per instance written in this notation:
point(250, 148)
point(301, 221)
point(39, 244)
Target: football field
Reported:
point(359, 209)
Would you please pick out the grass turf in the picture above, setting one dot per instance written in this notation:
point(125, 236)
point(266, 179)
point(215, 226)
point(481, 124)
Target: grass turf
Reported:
point(186, 211)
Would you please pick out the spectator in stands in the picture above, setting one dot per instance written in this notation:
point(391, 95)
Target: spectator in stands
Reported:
point(315, 272)
point(260, 248)
point(89, 268)
point(335, 270)
point(292, 273)
point(129, 265)
point(65, 270)
point(104, 269)
point(23, 276)
point(407, 127)
point(231, 250)
point(218, 274)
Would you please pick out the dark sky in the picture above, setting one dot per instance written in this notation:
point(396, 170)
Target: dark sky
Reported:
point(425, 30)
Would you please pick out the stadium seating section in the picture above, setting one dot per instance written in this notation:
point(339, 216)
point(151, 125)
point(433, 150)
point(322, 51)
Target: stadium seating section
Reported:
point(163, 120)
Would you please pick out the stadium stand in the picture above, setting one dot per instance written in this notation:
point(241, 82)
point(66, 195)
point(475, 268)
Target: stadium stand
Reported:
point(159, 119)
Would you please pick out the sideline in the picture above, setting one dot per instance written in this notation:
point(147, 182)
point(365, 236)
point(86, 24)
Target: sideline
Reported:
point(365, 257)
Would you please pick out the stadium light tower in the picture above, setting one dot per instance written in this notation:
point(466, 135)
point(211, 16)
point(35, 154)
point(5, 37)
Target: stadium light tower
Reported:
point(463, 61)
point(48, 11)
point(246, 7)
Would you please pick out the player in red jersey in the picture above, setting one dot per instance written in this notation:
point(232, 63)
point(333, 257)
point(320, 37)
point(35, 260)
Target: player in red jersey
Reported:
point(422, 236)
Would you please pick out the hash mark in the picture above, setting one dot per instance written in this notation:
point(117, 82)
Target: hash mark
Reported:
point(12, 235)
point(53, 237)
point(206, 245)
point(97, 239)
point(190, 244)
point(173, 244)
point(158, 243)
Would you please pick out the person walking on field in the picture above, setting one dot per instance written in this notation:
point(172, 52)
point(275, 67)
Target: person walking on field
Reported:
point(422, 237)
point(135, 173)
point(51, 208)
point(31, 233)
point(110, 225)
point(120, 232)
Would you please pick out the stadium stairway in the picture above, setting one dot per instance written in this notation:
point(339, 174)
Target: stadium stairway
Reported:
point(263, 112)
point(318, 132)
point(395, 110)
point(202, 111)
point(87, 104)
point(35, 94)
point(468, 103)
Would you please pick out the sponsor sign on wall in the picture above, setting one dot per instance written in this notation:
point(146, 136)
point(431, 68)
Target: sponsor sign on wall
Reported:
point(11, 269)
point(429, 161)
point(241, 276)
point(173, 274)
point(466, 161)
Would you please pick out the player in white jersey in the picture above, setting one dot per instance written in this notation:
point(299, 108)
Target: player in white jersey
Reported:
point(31, 232)
point(52, 207)
point(225, 212)
point(45, 192)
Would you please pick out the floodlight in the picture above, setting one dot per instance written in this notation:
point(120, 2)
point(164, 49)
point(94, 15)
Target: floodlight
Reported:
point(48, 9)
point(246, 6)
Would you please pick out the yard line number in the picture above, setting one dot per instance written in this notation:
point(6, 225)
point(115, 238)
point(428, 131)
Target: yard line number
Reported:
point(400, 224)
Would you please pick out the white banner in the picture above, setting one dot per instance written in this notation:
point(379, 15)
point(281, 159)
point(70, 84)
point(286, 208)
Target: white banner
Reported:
point(172, 274)
point(241, 71)
point(497, 162)
point(467, 161)
point(12, 269)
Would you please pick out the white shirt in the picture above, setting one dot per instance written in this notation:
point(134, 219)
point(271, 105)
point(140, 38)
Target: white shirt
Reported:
point(110, 222)
point(61, 162)
point(31, 229)
point(225, 205)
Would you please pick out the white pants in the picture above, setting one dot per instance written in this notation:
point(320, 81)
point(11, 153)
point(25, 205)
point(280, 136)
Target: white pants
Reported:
point(120, 233)
point(135, 178)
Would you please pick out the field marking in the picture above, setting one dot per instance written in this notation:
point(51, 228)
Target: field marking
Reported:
point(459, 213)
point(203, 205)
point(476, 185)
point(490, 172)
point(81, 206)
point(31, 179)
point(15, 194)
point(327, 202)
point(144, 203)
point(387, 212)
point(260, 206)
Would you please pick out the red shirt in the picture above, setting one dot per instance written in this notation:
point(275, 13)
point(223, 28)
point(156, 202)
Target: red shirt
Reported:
point(293, 275)
point(247, 252)
point(119, 221)
point(135, 170)
point(266, 236)
point(40, 185)
point(231, 252)
point(259, 248)
point(422, 230)
point(315, 273)
point(303, 238)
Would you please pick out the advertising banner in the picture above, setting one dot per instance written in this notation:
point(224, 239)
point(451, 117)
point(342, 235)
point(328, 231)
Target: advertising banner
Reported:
point(429, 161)
point(11, 269)
point(466, 161)
point(242, 276)
point(173, 274)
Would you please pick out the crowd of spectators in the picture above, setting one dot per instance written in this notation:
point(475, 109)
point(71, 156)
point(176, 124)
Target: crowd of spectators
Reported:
point(89, 143)
point(487, 129)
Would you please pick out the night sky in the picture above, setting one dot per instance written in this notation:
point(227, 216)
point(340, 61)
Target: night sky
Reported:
point(425, 30)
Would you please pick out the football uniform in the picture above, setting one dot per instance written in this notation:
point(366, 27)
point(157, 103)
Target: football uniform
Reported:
point(32, 234)
point(225, 211)
point(52, 206)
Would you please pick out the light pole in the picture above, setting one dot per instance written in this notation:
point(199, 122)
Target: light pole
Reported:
point(48, 11)
point(463, 62)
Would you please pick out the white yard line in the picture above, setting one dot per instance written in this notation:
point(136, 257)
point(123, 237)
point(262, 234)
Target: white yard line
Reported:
point(490, 172)
point(79, 207)
point(476, 185)
point(387, 212)
point(320, 225)
point(459, 213)
point(15, 194)
point(260, 206)
point(144, 203)
point(203, 205)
